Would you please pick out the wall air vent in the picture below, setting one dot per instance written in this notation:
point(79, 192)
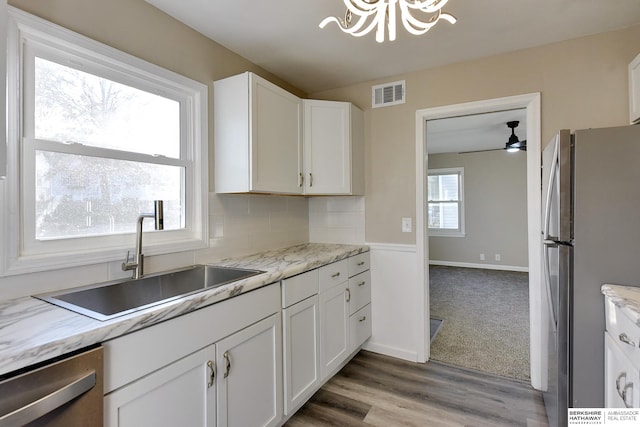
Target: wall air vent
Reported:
point(388, 94)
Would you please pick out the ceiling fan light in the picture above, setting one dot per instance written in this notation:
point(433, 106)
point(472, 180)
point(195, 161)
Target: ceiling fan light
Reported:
point(513, 149)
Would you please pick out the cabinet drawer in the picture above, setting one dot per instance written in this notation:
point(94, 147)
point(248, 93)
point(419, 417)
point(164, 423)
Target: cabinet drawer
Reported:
point(360, 289)
point(359, 328)
point(333, 274)
point(623, 331)
point(358, 263)
point(298, 288)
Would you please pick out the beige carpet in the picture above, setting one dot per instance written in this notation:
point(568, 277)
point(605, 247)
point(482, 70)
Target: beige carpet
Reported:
point(486, 319)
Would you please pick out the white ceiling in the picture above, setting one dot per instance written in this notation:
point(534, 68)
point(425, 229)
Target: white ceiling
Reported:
point(475, 132)
point(283, 37)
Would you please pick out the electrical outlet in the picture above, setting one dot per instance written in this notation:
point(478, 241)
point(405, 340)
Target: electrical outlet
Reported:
point(406, 225)
point(498, 257)
point(481, 257)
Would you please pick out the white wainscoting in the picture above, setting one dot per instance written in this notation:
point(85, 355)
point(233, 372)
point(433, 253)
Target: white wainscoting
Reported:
point(393, 293)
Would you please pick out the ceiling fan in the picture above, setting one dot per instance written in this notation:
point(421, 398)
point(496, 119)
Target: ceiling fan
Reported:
point(512, 145)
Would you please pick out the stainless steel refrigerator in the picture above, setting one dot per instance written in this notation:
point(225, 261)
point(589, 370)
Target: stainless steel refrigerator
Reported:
point(591, 236)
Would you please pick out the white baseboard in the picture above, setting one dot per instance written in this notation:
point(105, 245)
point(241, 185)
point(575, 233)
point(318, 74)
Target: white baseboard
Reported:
point(485, 266)
point(398, 353)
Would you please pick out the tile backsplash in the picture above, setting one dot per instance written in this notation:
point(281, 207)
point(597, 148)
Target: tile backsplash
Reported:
point(241, 224)
point(337, 219)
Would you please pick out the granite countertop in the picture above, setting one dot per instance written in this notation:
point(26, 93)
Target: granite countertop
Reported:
point(33, 331)
point(625, 297)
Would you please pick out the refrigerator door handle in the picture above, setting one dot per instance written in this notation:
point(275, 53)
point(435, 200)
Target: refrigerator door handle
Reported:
point(552, 179)
point(547, 281)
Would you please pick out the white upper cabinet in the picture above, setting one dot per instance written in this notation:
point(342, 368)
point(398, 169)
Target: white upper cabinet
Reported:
point(634, 90)
point(333, 148)
point(259, 141)
point(258, 134)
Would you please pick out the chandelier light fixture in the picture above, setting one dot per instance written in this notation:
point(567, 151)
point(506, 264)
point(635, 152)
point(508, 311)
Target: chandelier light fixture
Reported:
point(417, 17)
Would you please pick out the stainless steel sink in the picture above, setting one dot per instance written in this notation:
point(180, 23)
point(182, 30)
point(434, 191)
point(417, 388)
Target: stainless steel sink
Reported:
point(112, 299)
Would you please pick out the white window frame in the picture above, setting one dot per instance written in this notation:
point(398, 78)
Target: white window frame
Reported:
point(460, 231)
point(22, 252)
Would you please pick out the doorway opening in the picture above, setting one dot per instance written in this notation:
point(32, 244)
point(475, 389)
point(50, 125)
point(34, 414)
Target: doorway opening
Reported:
point(531, 105)
point(477, 221)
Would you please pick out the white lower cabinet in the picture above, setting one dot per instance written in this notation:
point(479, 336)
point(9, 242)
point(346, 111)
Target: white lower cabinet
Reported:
point(301, 352)
point(183, 393)
point(334, 329)
point(621, 358)
point(249, 378)
point(622, 388)
point(217, 366)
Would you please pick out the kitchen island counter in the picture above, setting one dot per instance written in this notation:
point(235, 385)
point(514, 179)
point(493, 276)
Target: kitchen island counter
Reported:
point(33, 331)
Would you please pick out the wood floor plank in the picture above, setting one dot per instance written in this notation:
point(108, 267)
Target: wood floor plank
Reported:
point(377, 390)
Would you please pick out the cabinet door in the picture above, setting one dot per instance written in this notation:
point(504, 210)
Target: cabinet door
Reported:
point(334, 329)
point(301, 353)
point(327, 149)
point(621, 378)
point(250, 376)
point(276, 139)
point(181, 394)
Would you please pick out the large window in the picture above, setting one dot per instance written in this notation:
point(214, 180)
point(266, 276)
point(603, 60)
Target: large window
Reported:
point(445, 201)
point(97, 135)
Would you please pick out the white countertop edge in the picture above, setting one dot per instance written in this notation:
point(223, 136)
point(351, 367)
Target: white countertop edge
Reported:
point(627, 298)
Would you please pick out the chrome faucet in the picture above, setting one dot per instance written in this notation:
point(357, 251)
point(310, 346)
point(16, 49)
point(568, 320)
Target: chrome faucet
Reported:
point(137, 264)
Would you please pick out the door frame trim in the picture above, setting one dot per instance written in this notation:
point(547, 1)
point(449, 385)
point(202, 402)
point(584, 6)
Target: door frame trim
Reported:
point(531, 102)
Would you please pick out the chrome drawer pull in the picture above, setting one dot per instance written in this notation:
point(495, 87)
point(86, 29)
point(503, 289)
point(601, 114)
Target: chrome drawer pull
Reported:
point(212, 374)
point(362, 319)
point(362, 283)
point(227, 362)
point(621, 376)
point(333, 276)
point(625, 339)
point(360, 264)
point(628, 393)
point(348, 294)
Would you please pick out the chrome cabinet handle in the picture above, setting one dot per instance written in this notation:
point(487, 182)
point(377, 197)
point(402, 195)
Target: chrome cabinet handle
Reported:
point(362, 319)
point(227, 362)
point(348, 294)
point(621, 376)
point(48, 403)
point(310, 179)
point(625, 339)
point(360, 264)
point(627, 392)
point(212, 373)
point(362, 283)
point(301, 180)
point(333, 276)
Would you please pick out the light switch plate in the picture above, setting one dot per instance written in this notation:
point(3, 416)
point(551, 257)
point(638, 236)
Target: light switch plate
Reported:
point(406, 225)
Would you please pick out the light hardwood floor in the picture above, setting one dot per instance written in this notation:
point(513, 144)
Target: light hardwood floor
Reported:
point(382, 391)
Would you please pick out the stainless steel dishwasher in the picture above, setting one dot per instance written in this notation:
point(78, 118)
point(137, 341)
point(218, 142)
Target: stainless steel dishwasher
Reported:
point(67, 392)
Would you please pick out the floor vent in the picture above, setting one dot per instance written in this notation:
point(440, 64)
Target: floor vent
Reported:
point(388, 94)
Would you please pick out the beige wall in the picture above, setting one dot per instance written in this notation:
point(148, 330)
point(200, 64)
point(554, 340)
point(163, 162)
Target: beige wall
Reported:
point(495, 202)
point(583, 83)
